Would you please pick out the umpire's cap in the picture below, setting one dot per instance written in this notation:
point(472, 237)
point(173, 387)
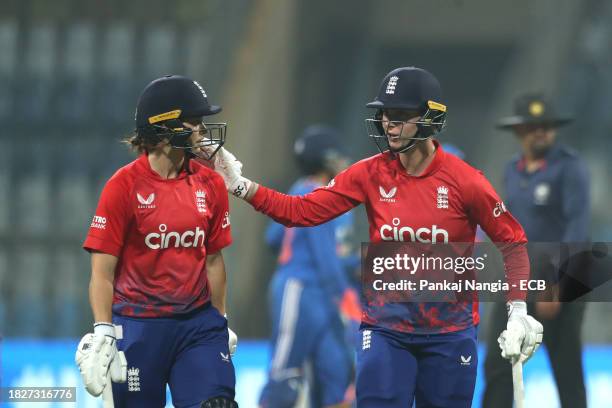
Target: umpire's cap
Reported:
point(533, 109)
point(407, 88)
point(172, 97)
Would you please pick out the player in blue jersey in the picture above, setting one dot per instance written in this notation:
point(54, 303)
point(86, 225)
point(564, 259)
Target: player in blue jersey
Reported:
point(310, 294)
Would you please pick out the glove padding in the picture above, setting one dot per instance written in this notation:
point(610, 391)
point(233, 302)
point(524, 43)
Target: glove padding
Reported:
point(98, 358)
point(226, 165)
point(523, 334)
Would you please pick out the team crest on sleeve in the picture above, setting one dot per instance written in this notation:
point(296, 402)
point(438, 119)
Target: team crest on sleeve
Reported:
point(387, 196)
point(200, 197)
point(146, 202)
point(442, 197)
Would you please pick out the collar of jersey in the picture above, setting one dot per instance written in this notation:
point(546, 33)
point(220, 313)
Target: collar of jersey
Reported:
point(147, 171)
point(431, 168)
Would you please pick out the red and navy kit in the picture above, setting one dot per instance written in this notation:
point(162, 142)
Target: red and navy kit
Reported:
point(444, 204)
point(161, 230)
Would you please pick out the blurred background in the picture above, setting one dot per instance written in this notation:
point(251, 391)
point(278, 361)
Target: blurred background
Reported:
point(71, 72)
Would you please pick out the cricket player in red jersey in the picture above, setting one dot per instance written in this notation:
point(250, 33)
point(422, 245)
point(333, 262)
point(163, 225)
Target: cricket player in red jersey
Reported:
point(423, 352)
point(158, 280)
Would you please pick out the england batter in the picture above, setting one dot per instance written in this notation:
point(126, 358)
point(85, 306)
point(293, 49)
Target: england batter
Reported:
point(158, 280)
point(412, 353)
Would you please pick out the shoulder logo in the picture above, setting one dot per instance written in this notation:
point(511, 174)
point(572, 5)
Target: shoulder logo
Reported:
point(331, 183)
point(442, 197)
point(466, 361)
point(98, 222)
point(146, 202)
point(391, 85)
point(226, 220)
point(387, 196)
point(499, 209)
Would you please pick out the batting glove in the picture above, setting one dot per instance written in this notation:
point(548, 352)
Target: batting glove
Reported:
point(230, 169)
point(97, 356)
point(523, 334)
point(233, 340)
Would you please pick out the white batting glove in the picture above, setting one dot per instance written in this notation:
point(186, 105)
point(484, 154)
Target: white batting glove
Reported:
point(233, 340)
point(230, 169)
point(97, 356)
point(523, 334)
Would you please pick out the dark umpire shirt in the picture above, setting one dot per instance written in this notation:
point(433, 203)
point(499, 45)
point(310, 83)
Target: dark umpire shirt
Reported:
point(552, 203)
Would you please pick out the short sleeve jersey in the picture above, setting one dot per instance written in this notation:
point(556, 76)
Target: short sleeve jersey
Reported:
point(161, 231)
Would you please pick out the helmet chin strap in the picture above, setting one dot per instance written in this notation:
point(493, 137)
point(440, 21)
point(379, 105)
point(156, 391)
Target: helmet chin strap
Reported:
point(414, 140)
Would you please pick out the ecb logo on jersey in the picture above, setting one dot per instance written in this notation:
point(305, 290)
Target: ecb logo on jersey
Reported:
point(201, 201)
point(442, 197)
point(146, 202)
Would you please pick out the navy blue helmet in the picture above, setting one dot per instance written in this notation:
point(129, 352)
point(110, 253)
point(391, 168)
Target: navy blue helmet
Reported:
point(408, 89)
point(166, 103)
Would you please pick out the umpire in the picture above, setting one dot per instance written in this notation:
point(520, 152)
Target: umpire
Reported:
point(547, 190)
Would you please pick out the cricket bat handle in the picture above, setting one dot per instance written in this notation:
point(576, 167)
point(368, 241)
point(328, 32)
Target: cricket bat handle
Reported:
point(107, 394)
point(517, 383)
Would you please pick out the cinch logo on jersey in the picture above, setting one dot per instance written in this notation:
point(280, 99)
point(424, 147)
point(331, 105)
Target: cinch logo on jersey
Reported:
point(499, 209)
point(387, 196)
point(163, 240)
point(425, 235)
point(98, 222)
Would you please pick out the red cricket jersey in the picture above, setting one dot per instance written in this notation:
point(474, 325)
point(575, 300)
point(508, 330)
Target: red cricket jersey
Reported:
point(444, 204)
point(161, 231)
